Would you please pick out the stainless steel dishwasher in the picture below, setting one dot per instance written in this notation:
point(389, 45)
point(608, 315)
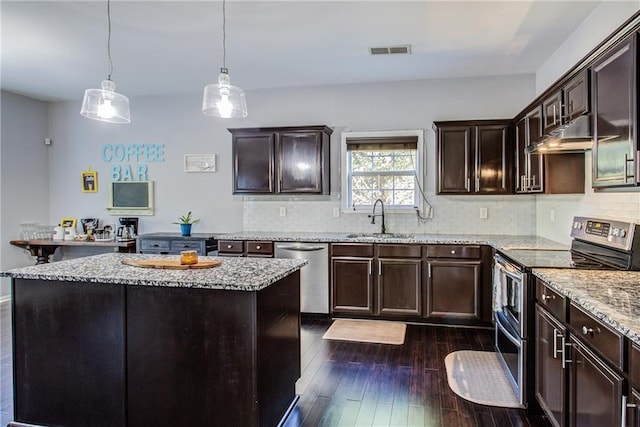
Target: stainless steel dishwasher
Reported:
point(314, 277)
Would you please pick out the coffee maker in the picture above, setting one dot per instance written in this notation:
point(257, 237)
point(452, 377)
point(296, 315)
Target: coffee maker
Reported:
point(128, 229)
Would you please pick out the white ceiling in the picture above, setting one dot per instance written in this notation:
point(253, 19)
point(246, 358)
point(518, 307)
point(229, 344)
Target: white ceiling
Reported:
point(54, 50)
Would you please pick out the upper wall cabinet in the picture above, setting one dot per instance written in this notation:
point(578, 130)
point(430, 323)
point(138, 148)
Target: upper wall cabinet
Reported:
point(282, 160)
point(576, 96)
point(474, 157)
point(528, 166)
point(614, 86)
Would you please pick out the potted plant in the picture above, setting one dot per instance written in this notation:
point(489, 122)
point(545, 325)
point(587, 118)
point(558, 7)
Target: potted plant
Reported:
point(185, 222)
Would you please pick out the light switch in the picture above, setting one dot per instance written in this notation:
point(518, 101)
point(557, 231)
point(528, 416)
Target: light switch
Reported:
point(484, 213)
point(336, 212)
point(283, 211)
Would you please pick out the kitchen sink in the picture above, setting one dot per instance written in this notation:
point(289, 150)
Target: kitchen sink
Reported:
point(379, 236)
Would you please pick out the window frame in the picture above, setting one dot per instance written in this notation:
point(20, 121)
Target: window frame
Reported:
point(345, 172)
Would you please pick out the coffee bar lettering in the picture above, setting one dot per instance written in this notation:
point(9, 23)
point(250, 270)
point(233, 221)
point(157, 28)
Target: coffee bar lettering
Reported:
point(122, 154)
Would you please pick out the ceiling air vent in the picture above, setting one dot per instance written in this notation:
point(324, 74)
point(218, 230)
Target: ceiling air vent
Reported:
point(406, 49)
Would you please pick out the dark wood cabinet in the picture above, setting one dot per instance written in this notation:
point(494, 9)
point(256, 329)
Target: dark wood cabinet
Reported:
point(528, 166)
point(576, 95)
point(378, 280)
point(552, 112)
point(595, 390)
point(352, 278)
point(250, 248)
point(474, 157)
point(399, 283)
point(454, 279)
point(614, 85)
point(282, 160)
point(550, 386)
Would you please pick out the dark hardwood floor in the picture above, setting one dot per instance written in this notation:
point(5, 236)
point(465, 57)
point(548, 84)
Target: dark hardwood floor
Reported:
point(359, 384)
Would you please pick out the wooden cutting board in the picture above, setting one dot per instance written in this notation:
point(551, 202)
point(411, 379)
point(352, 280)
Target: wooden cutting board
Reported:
point(171, 264)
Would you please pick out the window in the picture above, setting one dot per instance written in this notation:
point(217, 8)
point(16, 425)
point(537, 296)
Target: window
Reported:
point(382, 165)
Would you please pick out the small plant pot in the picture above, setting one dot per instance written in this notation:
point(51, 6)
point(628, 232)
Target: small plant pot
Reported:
point(185, 229)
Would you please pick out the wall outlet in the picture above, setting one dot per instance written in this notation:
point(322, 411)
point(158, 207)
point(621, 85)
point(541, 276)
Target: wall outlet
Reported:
point(484, 213)
point(552, 215)
point(283, 211)
point(336, 212)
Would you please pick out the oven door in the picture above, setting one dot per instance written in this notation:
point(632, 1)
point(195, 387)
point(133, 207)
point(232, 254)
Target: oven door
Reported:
point(512, 351)
point(509, 292)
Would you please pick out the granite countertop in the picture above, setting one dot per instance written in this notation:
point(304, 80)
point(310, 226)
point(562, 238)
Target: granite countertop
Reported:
point(241, 274)
point(610, 296)
point(495, 240)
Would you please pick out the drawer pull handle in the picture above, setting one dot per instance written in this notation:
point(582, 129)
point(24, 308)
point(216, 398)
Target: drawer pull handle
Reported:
point(590, 331)
point(546, 297)
point(156, 245)
point(258, 247)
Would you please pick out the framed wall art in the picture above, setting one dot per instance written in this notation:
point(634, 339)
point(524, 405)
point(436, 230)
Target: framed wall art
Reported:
point(68, 222)
point(199, 162)
point(90, 181)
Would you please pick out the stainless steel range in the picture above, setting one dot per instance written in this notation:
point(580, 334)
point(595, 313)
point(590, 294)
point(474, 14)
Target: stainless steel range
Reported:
point(597, 244)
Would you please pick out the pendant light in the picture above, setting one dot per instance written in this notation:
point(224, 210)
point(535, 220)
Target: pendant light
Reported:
point(222, 99)
point(106, 104)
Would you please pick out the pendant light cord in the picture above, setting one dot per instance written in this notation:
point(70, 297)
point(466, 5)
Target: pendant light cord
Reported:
point(109, 39)
point(224, 34)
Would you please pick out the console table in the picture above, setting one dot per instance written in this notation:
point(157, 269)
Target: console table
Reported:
point(174, 243)
point(43, 249)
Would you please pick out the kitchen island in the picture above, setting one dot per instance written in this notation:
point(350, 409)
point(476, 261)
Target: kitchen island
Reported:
point(99, 343)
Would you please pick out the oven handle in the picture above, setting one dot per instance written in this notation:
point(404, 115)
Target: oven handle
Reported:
point(515, 341)
point(507, 268)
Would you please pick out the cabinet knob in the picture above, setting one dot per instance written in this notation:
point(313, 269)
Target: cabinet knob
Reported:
point(155, 246)
point(589, 331)
point(258, 247)
point(453, 251)
point(229, 246)
point(546, 297)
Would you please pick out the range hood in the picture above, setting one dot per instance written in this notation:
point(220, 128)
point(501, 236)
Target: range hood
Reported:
point(573, 137)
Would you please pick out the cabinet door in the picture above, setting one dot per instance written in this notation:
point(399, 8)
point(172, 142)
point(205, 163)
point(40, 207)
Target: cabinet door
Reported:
point(453, 289)
point(253, 158)
point(352, 285)
point(534, 125)
point(633, 407)
point(576, 96)
point(493, 159)
point(550, 375)
point(455, 158)
point(521, 156)
point(613, 81)
point(300, 162)
point(399, 287)
point(552, 113)
point(595, 390)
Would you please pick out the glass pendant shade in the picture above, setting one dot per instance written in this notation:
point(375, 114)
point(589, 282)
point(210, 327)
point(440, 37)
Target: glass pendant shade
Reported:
point(105, 104)
point(224, 100)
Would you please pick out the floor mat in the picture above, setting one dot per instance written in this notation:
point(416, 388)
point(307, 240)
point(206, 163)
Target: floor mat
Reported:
point(372, 331)
point(478, 376)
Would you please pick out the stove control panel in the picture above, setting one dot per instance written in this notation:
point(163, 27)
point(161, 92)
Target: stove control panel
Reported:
point(610, 233)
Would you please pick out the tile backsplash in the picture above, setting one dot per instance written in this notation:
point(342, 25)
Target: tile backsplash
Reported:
point(512, 215)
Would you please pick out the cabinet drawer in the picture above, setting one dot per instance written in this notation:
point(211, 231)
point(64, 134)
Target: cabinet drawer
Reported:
point(231, 246)
point(186, 245)
point(399, 251)
point(555, 303)
point(453, 251)
point(261, 248)
point(352, 249)
point(604, 340)
point(155, 245)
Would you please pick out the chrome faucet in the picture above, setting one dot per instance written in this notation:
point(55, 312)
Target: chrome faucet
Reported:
point(373, 215)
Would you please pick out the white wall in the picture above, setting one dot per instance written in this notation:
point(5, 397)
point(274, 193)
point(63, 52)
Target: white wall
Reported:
point(616, 205)
point(178, 123)
point(603, 21)
point(24, 174)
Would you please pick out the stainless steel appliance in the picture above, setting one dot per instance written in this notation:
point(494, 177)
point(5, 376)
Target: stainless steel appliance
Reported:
point(597, 244)
point(128, 229)
point(314, 277)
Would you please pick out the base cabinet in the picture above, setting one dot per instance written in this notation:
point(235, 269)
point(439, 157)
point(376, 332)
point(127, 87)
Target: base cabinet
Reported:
point(595, 392)
point(399, 284)
point(453, 289)
point(352, 290)
point(550, 385)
